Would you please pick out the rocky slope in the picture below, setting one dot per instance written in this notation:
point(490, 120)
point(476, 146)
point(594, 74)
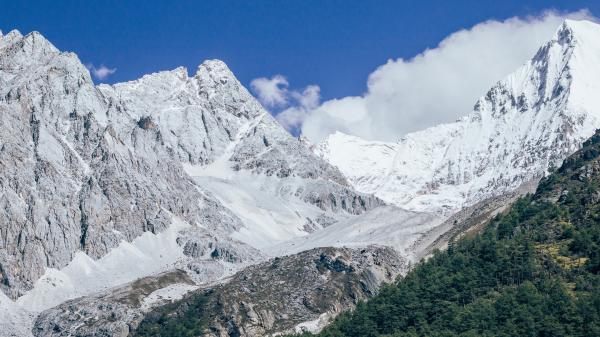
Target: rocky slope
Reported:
point(468, 221)
point(114, 312)
point(292, 293)
point(524, 125)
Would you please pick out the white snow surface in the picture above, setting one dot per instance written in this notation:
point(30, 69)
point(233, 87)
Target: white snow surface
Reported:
point(170, 293)
point(313, 326)
point(146, 255)
point(526, 123)
point(15, 321)
point(269, 210)
point(387, 226)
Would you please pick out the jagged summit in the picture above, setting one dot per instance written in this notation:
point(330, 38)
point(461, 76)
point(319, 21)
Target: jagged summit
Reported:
point(215, 68)
point(579, 29)
point(32, 43)
point(526, 123)
point(199, 116)
point(20, 56)
point(11, 34)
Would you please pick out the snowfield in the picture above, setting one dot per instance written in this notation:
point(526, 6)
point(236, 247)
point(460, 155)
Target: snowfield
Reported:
point(15, 321)
point(388, 226)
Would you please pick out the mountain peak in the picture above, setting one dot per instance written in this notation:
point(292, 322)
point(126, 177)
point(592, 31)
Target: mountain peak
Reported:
point(214, 64)
point(577, 30)
point(214, 75)
point(9, 38)
point(19, 51)
point(13, 33)
point(215, 69)
point(578, 26)
point(35, 42)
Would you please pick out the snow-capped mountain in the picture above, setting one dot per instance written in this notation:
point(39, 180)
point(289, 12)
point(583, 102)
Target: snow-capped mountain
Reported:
point(97, 186)
point(523, 126)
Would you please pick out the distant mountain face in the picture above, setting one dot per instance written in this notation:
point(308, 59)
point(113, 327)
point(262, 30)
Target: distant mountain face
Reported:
point(85, 168)
point(527, 123)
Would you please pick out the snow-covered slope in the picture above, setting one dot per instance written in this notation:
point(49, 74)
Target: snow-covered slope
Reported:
point(147, 254)
point(15, 321)
point(524, 125)
point(386, 226)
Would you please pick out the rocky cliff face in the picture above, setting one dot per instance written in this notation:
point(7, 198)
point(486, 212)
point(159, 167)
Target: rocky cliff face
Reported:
point(70, 181)
point(525, 124)
point(87, 167)
point(288, 294)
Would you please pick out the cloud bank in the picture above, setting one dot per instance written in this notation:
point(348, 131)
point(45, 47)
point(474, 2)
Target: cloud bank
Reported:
point(271, 92)
point(436, 86)
point(101, 72)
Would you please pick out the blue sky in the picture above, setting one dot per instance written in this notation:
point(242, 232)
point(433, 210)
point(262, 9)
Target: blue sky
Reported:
point(333, 44)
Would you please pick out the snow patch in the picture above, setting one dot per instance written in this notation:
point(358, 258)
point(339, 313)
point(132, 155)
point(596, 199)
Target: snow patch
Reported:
point(313, 326)
point(170, 293)
point(269, 210)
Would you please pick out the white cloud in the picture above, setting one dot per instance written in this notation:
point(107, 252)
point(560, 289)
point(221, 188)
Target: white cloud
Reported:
point(272, 92)
point(438, 85)
point(101, 72)
point(290, 107)
point(303, 102)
